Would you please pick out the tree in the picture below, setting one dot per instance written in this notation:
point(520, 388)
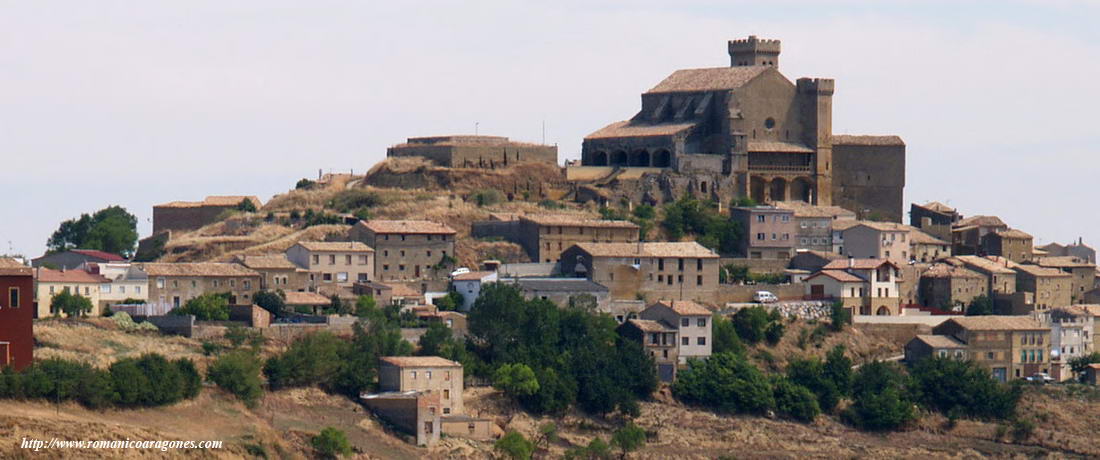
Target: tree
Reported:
point(950, 385)
point(980, 305)
point(880, 398)
point(839, 316)
point(725, 336)
point(315, 359)
point(70, 304)
point(629, 438)
point(206, 307)
point(726, 382)
point(514, 446)
point(752, 324)
point(238, 372)
point(690, 216)
point(360, 360)
point(810, 374)
point(434, 339)
point(331, 443)
point(795, 401)
point(111, 229)
point(838, 369)
point(548, 433)
point(246, 205)
point(1080, 363)
point(273, 302)
point(516, 380)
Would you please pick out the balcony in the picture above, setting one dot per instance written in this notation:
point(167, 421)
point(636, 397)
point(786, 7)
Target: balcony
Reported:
point(782, 169)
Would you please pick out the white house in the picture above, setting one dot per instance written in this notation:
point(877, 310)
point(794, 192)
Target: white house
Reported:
point(693, 321)
point(866, 286)
point(469, 285)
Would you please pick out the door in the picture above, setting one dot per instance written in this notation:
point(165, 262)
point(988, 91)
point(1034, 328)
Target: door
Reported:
point(666, 372)
point(817, 291)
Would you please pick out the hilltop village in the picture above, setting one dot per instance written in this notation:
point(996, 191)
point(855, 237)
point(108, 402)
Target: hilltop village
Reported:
point(722, 253)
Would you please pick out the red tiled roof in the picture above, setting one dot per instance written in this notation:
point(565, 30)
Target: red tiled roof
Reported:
point(472, 276)
point(100, 255)
point(839, 275)
point(306, 298)
point(46, 275)
point(419, 361)
point(858, 264)
point(685, 307)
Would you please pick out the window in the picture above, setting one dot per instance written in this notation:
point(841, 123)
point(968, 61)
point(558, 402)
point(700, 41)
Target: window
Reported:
point(347, 259)
point(412, 375)
point(51, 289)
point(194, 284)
point(106, 289)
point(233, 283)
point(680, 264)
point(385, 268)
point(685, 341)
point(760, 218)
point(363, 278)
point(699, 280)
point(429, 253)
point(760, 237)
point(402, 253)
point(698, 264)
point(446, 392)
point(775, 236)
point(786, 218)
point(327, 277)
point(122, 289)
point(247, 284)
point(175, 283)
point(660, 264)
point(701, 341)
point(316, 259)
point(217, 283)
point(989, 355)
point(342, 277)
point(13, 297)
point(701, 322)
point(401, 268)
point(685, 322)
point(428, 375)
point(362, 260)
point(160, 284)
point(332, 259)
point(447, 375)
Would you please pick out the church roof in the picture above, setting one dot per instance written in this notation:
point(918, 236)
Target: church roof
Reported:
point(709, 79)
point(846, 139)
point(629, 129)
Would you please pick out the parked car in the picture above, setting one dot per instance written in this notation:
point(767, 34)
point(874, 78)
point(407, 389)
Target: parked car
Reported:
point(764, 297)
point(459, 271)
point(1040, 377)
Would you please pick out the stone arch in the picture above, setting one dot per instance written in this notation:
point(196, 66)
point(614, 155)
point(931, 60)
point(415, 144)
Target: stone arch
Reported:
point(618, 158)
point(756, 188)
point(883, 311)
point(662, 159)
point(778, 188)
point(640, 158)
point(802, 189)
point(599, 158)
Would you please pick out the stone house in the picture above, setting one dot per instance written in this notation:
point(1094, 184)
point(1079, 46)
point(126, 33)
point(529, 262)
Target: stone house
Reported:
point(16, 314)
point(878, 240)
point(967, 234)
point(424, 373)
point(414, 412)
point(74, 258)
point(304, 302)
point(925, 248)
point(381, 293)
point(408, 250)
point(1071, 336)
point(1051, 287)
point(934, 218)
point(997, 271)
point(815, 224)
point(560, 290)
point(658, 338)
point(546, 236)
point(469, 285)
point(951, 288)
point(49, 283)
point(333, 263)
point(692, 323)
point(1012, 244)
point(659, 271)
point(1011, 347)
point(172, 284)
point(189, 215)
point(1076, 249)
point(864, 286)
point(277, 273)
point(1083, 272)
point(769, 232)
point(811, 260)
point(927, 346)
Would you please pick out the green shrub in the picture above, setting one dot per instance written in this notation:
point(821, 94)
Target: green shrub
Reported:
point(313, 359)
point(70, 304)
point(795, 401)
point(238, 372)
point(726, 382)
point(949, 385)
point(354, 199)
point(880, 398)
point(629, 438)
point(206, 307)
point(487, 197)
point(839, 316)
point(304, 184)
point(774, 333)
point(331, 443)
point(810, 373)
point(514, 446)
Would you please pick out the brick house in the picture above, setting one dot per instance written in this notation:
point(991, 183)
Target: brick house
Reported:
point(1011, 347)
point(172, 284)
point(692, 323)
point(682, 270)
point(276, 272)
point(769, 232)
point(333, 263)
point(16, 313)
point(407, 250)
point(77, 282)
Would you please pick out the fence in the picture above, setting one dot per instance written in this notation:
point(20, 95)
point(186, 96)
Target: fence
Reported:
point(147, 309)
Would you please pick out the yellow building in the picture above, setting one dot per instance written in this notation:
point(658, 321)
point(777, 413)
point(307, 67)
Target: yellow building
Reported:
point(49, 283)
point(1011, 347)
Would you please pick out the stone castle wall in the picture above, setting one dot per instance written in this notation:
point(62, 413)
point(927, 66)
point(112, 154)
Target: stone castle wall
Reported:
point(869, 179)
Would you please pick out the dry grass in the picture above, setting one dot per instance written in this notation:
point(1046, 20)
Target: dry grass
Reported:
point(98, 342)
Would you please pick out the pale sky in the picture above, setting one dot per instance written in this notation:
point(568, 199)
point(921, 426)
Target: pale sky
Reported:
point(137, 103)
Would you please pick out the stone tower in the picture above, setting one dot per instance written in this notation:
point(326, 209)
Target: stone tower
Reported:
point(754, 51)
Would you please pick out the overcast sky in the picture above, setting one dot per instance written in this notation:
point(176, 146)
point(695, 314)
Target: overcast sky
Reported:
point(137, 103)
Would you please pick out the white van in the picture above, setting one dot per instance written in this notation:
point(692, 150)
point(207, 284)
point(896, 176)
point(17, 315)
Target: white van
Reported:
point(764, 297)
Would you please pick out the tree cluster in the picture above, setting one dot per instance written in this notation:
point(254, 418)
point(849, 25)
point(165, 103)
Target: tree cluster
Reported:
point(70, 304)
point(756, 324)
point(960, 387)
point(147, 381)
point(206, 307)
point(111, 229)
point(690, 216)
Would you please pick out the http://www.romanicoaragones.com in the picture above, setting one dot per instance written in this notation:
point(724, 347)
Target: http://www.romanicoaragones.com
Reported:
point(162, 445)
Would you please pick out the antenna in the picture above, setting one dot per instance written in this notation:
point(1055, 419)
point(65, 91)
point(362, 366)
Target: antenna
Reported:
point(476, 128)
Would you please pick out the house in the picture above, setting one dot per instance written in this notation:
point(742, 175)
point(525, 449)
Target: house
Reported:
point(277, 273)
point(172, 284)
point(682, 270)
point(77, 282)
point(864, 286)
point(452, 319)
point(1071, 336)
point(546, 236)
point(951, 288)
point(934, 218)
point(16, 314)
point(967, 234)
point(415, 412)
point(811, 260)
point(926, 346)
point(407, 250)
point(381, 293)
point(333, 263)
point(839, 227)
point(1011, 347)
point(926, 248)
point(1076, 249)
point(692, 323)
point(1011, 244)
point(769, 231)
point(997, 271)
point(878, 240)
point(125, 282)
point(1050, 287)
point(1083, 272)
point(658, 338)
point(424, 373)
point(74, 258)
point(814, 224)
point(306, 302)
point(469, 285)
point(562, 290)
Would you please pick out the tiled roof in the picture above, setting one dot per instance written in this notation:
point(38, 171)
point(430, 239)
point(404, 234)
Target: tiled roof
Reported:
point(839, 275)
point(575, 221)
point(779, 147)
point(8, 262)
point(647, 325)
point(195, 269)
point(981, 221)
point(857, 264)
point(12, 267)
point(685, 307)
point(419, 361)
point(472, 276)
point(306, 298)
point(224, 200)
point(402, 290)
point(938, 207)
point(267, 262)
point(842, 225)
point(1035, 270)
point(46, 275)
point(940, 341)
point(99, 255)
point(407, 226)
point(1013, 233)
point(987, 265)
point(998, 323)
point(666, 249)
point(949, 271)
point(919, 237)
point(709, 79)
point(335, 246)
point(633, 129)
point(885, 226)
point(803, 209)
point(1064, 262)
point(847, 139)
